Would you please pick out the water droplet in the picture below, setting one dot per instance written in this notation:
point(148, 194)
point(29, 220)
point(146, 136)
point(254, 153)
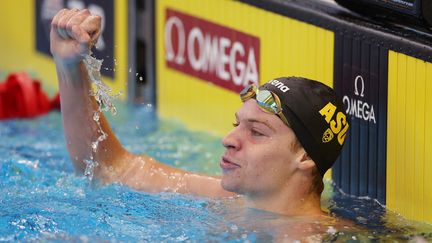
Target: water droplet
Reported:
point(94, 146)
point(96, 116)
point(331, 230)
point(89, 170)
point(234, 228)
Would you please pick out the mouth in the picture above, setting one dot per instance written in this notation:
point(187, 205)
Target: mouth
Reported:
point(227, 164)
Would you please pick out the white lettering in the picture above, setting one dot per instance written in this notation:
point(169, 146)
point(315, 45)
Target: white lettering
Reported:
point(356, 90)
point(365, 110)
point(279, 85)
point(251, 74)
point(170, 55)
point(371, 115)
point(196, 59)
point(224, 43)
point(211, 54)
point(234, 66)
point(359, 113)
point(354, 107)
point(359, 109)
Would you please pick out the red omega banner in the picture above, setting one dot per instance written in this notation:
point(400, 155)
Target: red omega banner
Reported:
point(223, 56)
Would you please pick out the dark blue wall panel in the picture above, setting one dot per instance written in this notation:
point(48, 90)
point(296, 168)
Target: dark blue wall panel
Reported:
point(360, 75)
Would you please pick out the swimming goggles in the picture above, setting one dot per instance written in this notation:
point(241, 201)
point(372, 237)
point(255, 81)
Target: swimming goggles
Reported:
point(267, 100)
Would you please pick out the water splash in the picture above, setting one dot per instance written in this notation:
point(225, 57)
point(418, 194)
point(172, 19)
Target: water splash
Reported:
point(90, 166)
point(102, 92)
point(103, 96)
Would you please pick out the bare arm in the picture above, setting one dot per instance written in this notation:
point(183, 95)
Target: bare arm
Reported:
point(73, 33)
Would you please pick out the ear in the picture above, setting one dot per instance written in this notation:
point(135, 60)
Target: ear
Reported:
point(306, 162)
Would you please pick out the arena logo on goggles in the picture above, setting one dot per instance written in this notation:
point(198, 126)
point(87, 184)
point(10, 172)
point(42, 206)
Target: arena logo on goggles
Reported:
point(208, 51)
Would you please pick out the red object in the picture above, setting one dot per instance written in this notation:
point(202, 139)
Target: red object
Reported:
point(55, 102)
point(22, 97)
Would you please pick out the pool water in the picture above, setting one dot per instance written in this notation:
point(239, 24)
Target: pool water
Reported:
point(42, 199)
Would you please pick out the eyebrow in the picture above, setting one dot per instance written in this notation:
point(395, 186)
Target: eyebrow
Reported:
point(258, 121)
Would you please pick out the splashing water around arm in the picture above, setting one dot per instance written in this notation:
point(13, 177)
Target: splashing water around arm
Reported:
point(103, 97)
point(92, 145)
point(102, 92)
point(90, 141)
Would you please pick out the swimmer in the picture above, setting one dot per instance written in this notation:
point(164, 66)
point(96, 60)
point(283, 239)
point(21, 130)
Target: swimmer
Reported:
point(286, 135)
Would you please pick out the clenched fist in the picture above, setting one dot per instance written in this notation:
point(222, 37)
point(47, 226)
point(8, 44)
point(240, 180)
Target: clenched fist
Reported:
point(73, 34)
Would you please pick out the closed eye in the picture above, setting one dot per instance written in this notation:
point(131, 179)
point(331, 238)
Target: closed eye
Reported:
point(257, 133)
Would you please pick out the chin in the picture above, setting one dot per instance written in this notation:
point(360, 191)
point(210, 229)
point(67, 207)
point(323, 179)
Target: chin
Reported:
point(226, 185)
point(230, 186)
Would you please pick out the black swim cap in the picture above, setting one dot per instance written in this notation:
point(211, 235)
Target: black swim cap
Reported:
point(315, 114)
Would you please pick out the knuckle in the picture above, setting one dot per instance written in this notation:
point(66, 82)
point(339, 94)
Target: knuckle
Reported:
point(75, 29)
point(73, 12)
point(62, 12)
point(57, 16)
point(61, 23)
point(85, 11)
point(69, 24)
point(54, 22)
point(98, 19)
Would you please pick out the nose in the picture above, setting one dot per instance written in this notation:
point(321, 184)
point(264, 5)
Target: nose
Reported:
point(232, 140)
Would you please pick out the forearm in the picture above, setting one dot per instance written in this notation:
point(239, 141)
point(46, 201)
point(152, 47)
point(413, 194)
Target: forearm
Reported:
point(115, 163)
point(81, 130)
point(73, 33)
point(146, 174)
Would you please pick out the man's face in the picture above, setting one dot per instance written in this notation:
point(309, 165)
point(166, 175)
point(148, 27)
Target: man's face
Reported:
point(259, 157)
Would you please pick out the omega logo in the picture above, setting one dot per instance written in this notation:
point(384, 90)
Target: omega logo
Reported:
point(210, 51)
point(357, 107)
point(170, 55)
point(356, 86)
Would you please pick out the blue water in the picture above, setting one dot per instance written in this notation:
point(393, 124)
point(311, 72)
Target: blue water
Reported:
point(42, 199)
